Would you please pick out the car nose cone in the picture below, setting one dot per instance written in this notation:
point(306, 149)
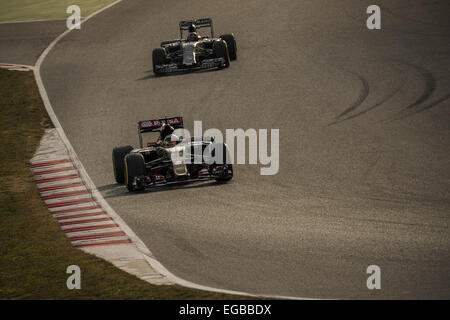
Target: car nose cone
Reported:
point(189, 54)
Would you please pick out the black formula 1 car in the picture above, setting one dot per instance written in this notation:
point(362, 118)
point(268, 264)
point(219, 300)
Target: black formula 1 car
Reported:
point(168, 161)
point(195, 51)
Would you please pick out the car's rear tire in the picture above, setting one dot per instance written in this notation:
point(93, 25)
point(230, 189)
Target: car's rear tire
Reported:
point(118, 156)
point(159, 57)
point(226, 159)
point(220, 50)
point(134, 167)
point(231, 44)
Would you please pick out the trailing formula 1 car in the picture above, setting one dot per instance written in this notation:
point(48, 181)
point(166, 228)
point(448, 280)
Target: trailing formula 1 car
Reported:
point(171, 159)
point(195, 51)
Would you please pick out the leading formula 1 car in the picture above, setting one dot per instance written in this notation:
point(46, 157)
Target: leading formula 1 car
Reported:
point(195, 51)
point(170, 160)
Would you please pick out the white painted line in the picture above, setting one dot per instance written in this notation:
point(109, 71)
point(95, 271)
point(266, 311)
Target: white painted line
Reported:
point(92, 232)
point(98, 240)
point(48, 171)
point(59, 191)
point(72, 206)
point(81, 219)
point(49, 167)
point(67, 199)
point(87, 213)
point(61, 187)
point(102, 235)
point(65, 194)
point(17, 67)
point(161, 269)
point(87, 224)
point(58, 178)
point(56, 183)
point(78, 208)
point(48, 161)
point(39, 176)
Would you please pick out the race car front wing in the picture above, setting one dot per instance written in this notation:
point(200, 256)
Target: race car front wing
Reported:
point(147, 181)
point(206, 64)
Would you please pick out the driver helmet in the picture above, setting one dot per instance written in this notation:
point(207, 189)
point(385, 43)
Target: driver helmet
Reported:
point(192, 28)
point(166, 129)
point(193, 36)
point(171, 141)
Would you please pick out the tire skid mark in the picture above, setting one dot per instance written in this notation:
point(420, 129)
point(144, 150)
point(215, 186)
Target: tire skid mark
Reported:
point(364, 92)
point(376, 105)
point(435, 103)
point(427, 107)
point(379, 103)
point(430, 85)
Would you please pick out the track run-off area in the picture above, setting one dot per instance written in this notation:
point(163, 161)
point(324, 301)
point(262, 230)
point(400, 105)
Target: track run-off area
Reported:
point(364, 119)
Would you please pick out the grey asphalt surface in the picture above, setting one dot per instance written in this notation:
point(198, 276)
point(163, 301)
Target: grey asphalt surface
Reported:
point(23, 43)
point(364, 141)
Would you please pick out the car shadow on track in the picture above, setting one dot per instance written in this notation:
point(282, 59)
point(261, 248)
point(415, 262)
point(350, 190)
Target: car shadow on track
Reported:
point(119, 190)
point(178, 73)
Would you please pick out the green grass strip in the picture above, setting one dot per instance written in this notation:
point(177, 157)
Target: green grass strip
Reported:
point(32, 10)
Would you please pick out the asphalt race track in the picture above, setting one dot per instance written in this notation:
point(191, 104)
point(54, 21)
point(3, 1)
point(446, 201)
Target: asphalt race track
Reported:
point(364, 119)
point(22, 43)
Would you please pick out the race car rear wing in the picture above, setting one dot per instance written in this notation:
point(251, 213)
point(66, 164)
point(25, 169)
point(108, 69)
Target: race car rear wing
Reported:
point(155, 125)
point(199, 23)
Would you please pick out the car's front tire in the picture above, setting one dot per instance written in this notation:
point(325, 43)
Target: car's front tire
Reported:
point(220, 50)
point(118, 156)
point(226, 160)
point(231, 44)
point(159, 57)
point(134, 167)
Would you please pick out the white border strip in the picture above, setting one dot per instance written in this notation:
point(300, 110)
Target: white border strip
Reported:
point(156, 265)
point(5, 64)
